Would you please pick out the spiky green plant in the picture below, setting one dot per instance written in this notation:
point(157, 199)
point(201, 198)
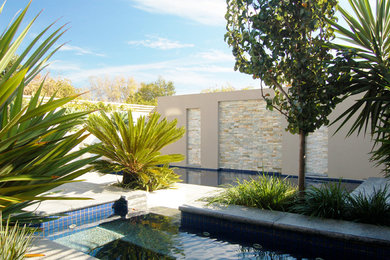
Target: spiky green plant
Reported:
point(265, 192)
point(134, 149)
point(325, 201)
point(35, 149)
point(14, 241)
point(373, 209)
point(369, 71)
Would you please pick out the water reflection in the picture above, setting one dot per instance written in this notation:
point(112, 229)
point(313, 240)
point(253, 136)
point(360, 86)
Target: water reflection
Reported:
point(213, 178)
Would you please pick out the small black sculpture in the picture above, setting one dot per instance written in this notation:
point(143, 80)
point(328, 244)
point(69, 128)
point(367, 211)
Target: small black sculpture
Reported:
point(120, 207)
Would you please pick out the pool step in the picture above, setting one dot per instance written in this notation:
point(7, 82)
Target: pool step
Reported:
point(137, 202)
point(89, 239)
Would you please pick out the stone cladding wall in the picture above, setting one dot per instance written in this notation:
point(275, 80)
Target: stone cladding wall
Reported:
point(193, 136)
point(250, 136)
point(317, 152)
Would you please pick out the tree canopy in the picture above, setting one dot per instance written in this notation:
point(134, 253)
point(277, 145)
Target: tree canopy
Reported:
point(117, 89)
point(61, 87)
point(127, 90)
point(147, 94)
point(283, 44)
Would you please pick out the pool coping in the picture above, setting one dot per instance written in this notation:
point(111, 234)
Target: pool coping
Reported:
point(339, 229)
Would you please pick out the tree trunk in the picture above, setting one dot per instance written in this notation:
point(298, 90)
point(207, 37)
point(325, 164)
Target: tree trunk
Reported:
point(127, 178)
point(302, 159)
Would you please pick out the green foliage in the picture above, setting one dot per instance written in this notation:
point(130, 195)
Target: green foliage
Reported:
point(381, 154)
point(35, 149)
point(265, 192)
point(83, 105)
point(134, 150)
point(283, 44)
point(9, 66)
point(326, 201)
point(226, 88)
point(147, 94)
point(373, 209)
point(60, 87)
point(368, 71)
point(14, 241)
point(152, 179)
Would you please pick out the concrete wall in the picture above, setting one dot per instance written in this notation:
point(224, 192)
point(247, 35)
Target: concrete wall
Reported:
point(237, 132)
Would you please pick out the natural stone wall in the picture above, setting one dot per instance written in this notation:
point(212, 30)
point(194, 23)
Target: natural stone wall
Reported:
point(193, 136)
point(317, 152)
point(250, 136)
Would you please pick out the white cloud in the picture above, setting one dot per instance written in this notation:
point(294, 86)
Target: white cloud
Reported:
point(216, 56)
point(61, 66)
point(209, 12)
point(161, 43)
point(80, 51)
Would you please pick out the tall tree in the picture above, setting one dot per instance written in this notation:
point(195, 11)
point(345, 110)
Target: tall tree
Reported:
point(61, 87)
point(147, 94)
point(116, 89)
point(282, 43)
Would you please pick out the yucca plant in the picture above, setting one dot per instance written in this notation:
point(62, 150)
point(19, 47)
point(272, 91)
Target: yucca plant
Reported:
point(368, 59)
point(264, 192)
point(134, 149)
point(14, 241)
point(35, 149)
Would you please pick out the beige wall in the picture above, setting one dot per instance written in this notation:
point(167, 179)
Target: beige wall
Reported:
point(347, 157)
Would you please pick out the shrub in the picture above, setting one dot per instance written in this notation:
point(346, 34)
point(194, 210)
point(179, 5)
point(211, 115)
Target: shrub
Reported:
point(14, 241)
point(134, 150)
point(326, 201)
point(265, 192)
point(372, 209)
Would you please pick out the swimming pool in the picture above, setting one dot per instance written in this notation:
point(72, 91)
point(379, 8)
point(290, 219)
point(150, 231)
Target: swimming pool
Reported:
point(153, 236)
point(170, 234)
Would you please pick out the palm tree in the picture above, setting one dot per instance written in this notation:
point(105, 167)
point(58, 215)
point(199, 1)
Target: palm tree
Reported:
point(369, 71)
point(134, 149)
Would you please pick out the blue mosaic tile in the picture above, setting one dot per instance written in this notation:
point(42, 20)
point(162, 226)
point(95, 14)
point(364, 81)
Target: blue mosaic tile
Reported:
point(76, 217)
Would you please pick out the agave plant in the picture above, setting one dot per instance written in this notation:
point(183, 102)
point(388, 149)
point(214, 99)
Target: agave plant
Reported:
point(35, 149)
point(134, 150)
point(369, 34)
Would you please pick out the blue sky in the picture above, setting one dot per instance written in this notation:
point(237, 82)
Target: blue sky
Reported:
point(180, 40)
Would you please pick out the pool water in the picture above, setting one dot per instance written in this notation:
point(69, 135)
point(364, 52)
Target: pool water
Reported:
point(153, 236)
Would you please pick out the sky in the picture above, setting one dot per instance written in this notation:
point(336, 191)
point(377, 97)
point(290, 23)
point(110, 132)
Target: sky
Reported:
point(179, 40)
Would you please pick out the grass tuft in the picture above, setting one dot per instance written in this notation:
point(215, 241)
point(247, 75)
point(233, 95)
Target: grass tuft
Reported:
point(372, 209)
point(325, 201)
point(265, 192)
